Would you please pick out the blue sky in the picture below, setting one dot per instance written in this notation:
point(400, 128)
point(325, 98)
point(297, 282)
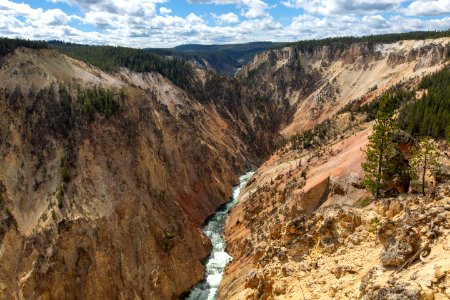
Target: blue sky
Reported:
point(167, 23)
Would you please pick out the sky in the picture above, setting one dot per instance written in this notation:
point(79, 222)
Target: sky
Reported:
point(167, 23)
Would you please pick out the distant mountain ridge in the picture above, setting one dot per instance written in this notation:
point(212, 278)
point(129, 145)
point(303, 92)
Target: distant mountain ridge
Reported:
point(229, 58)
point(223, 59)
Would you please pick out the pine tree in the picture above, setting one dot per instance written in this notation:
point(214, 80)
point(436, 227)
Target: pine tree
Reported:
point(381, 147)
point(425, 159)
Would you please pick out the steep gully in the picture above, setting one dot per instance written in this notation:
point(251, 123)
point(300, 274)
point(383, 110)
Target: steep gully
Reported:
point(219, 258)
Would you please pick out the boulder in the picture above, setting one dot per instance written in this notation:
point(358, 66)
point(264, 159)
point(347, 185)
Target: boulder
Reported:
point(253, 279)
point(261, 283)
point(399, 241)
point(337, 187)
point(341, 270)
point(399, 291)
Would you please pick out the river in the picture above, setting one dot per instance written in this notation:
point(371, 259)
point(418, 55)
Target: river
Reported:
point(219, 258)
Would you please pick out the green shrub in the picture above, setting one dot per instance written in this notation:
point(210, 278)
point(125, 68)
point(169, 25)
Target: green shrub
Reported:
point(303, 174)
point(364, 202)
point(374, 224)
point(99, 100)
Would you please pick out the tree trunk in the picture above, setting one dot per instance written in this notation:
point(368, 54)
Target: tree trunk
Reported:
point(423, 175)
point(380, 160)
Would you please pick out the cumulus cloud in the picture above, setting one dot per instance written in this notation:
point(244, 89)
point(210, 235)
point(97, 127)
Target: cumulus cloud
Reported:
point(16, 9)
point(226, 18)
point(137, 7)
point(376, 22)
point(252, 8)
point(34, 17)
point(19, 19)
point(193, 19)
point(145, 23)
point(339, 7)
point(164, 10)
point(316, 27)
point(428, 8)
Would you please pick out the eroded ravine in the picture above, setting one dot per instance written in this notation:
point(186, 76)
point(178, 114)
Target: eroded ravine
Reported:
point(219, 258)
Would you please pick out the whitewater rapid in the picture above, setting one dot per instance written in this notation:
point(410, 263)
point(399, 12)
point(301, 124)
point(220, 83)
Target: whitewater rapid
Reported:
point(219, 258)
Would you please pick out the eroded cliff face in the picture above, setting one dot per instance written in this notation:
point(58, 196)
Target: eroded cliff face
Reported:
point(318, 81)
point(315, 235)
point(108, 205)
point(278, 219)
point(344, 252)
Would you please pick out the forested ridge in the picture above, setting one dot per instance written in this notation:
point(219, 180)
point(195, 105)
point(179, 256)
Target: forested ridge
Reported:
point(370, 39)
point(9, 45)
point(111, 59)
point(430, 115)
point(220, 57)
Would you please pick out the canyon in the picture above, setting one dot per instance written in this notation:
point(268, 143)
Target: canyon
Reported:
point(110, 204)
point(107, 208)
